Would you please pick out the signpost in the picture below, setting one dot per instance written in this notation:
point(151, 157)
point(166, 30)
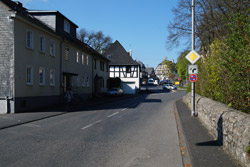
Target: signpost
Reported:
point(192, 69)
point(193, 57)
point(192, 78)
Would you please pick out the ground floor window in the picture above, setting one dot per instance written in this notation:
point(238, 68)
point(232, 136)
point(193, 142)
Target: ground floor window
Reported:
point(41, 76)
point(29, 75)
point(52, 77)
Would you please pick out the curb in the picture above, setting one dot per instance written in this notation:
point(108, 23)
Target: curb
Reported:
point(186, 160)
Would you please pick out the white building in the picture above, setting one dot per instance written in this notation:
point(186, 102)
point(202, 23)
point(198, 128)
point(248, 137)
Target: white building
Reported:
point(124, 67)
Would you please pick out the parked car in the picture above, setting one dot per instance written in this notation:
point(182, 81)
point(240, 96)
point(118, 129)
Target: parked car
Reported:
point(115, 92)
point(150, 81)
point(162, 82)
point(169, 86)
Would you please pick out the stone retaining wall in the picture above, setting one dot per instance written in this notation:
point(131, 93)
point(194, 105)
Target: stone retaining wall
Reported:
point(230, 127)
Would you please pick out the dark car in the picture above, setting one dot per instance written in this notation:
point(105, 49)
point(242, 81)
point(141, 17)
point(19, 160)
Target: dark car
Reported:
point(115, 92)
point(164, 82)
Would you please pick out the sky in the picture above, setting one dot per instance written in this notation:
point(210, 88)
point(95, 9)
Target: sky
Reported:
point(139, 25)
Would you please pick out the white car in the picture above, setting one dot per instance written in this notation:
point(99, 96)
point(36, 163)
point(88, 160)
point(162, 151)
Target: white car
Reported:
point(150, 82)
point(169, 86)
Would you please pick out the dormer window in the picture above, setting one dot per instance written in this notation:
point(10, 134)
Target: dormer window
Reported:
point(66, 26)
point(109, 56)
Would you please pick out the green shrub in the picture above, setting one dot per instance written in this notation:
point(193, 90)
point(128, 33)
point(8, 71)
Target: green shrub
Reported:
point(225, 75)
point(248, 149)
point(188, 89)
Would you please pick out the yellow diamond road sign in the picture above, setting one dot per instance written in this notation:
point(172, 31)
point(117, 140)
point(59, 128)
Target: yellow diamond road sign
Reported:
point(193, 57)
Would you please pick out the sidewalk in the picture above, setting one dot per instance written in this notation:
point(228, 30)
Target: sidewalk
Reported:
point(203, 149)
point(11, 120)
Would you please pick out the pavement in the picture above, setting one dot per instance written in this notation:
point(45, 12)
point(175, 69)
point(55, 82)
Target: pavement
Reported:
point(198, 147)
point(202, 149)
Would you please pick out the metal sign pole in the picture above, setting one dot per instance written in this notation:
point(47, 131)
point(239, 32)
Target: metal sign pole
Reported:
point(193, 113)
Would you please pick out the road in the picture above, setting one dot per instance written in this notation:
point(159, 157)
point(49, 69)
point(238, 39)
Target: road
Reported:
point(134, 132)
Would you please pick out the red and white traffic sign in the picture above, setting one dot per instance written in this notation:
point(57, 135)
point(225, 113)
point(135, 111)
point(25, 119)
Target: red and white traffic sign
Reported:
point(192, 78)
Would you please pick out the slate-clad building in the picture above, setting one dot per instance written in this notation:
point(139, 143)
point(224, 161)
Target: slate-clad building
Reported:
point(124, 67)
point(40, 58)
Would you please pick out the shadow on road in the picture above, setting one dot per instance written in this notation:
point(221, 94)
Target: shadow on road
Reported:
point(107, 102)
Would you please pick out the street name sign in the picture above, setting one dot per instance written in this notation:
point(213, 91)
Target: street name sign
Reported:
point(193, 57)
point(192, 69)
point(192, 78)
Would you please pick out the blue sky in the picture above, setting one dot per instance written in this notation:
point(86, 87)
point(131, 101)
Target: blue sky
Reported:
point(140, 25)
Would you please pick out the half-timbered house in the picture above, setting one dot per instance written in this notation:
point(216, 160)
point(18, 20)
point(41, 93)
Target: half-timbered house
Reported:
point(124, 67)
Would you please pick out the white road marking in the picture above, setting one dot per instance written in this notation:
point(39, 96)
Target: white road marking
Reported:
point(97, 121)
point(157, 94)
point(124, 109)
point(88, 126)
point(113, 114)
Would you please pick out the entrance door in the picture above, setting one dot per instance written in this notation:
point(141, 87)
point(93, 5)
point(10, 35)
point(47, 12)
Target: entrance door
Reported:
point(66, 82)
point(128, 87)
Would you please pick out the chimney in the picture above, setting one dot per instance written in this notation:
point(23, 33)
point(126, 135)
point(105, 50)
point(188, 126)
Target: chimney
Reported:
point(130, 53)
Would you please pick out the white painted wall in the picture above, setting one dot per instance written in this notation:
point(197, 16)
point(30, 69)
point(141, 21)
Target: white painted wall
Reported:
point(3, 106)
point(129, 81)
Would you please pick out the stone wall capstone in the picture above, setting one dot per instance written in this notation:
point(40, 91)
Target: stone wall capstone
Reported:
point(230, 127)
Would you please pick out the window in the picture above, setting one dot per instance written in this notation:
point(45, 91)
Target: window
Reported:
point(109, 56)
point(95, 63)
point(29, 75)
point(66, 26)
point(87, 61)
point(112, 72)
point(41, 76)
point(66, 56)
point(52, 77)
point(29, 39)
point(87, 81)
point(83, 81)
point(107, 67)
point(77, 57)
point(52, 48)
point(101, 66)
point(42, 43)
point(82, 59)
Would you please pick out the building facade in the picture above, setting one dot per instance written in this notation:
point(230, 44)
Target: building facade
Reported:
point(124, 67)
point(41, 58)
point(143, 73)
point(163, 73)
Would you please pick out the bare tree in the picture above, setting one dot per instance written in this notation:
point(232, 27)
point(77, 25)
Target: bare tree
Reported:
point(211, 18)
point(96, 40)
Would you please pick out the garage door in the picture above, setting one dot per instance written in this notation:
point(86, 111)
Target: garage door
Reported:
point(128, 87)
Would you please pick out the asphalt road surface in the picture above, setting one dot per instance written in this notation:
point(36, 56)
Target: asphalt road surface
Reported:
point(135, 132)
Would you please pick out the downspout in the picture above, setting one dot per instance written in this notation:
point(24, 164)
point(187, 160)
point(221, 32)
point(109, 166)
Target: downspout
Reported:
point(11, 106)
point(92, 84)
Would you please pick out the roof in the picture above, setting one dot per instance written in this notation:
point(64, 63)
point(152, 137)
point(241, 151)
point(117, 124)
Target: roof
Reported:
point(27, 14)
point(118, 55)
point(150, 70)
point(50, 12)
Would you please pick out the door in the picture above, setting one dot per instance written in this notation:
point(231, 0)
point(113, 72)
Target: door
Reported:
point(128, 87)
